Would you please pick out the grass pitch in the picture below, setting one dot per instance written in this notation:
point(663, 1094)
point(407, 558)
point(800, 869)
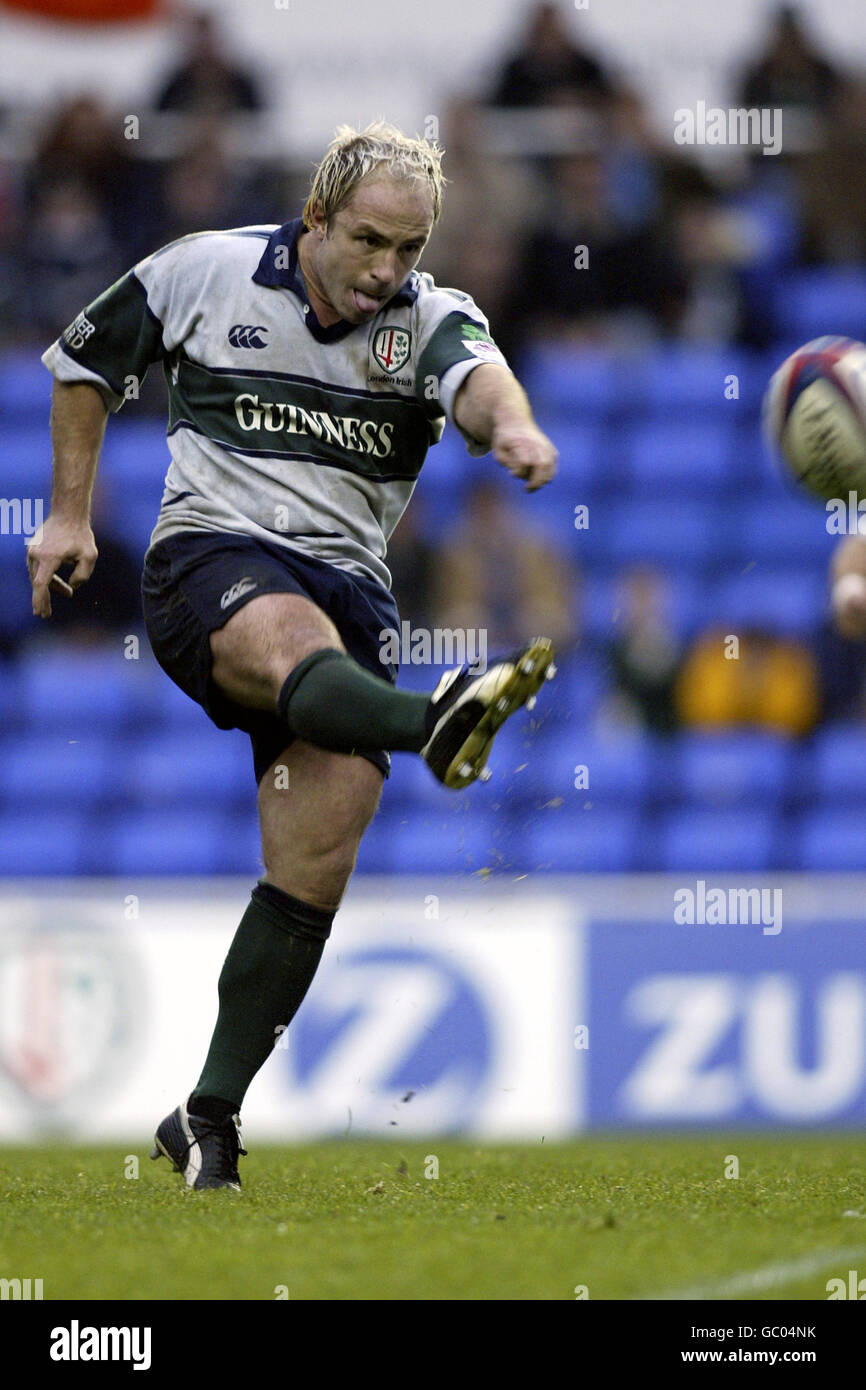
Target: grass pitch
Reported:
point(636, 1217)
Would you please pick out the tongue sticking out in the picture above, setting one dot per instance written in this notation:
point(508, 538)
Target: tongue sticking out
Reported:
point(365, 303)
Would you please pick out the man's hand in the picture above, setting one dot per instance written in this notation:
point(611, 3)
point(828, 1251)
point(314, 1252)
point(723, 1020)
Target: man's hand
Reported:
point(59, 541)
point(491, 406)
point(525, 452)
point(849, 606)
point(848, 595)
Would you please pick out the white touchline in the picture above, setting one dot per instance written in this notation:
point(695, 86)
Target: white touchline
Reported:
point(756, 1280)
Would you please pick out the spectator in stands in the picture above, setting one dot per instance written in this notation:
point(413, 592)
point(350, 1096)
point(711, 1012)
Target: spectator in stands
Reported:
point(791, 73)
point(68, 256)
point(832, 187)
point(549, 66)
point(203, 189)
point(644, 654)
point(771, 683)
point(482, 264)
point(207, 81)
point(585, 273)
point(84, 142)
point(499, 574)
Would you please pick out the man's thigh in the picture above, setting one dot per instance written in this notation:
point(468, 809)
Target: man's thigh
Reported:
point(263, 642)
point(314, 807)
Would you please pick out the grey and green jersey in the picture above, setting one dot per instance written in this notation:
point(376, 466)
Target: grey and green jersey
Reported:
point(280, 428)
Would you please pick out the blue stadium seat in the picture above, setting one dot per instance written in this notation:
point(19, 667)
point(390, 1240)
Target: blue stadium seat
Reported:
point(672, 455)
point(25, 387)
point(620, 769)
point(692, 840)
point(738, 768)
point(788, 532)
point(678, 532)
point(163, 842)
point(27, 467)
point(836, 770)
point(136, 454)
point(600, 605)
point(47, 841)
point(788, 601)
point(182, 769)
point(831, 840)
point(589, 385)
point(599, 840)
point(45, 769)
point(826, 299)
point(584, 454)
point(462, 841)
point(689, 380)
point(77, 690)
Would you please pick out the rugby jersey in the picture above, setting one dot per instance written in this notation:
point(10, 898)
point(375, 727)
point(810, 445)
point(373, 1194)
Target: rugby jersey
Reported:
point(308, 436)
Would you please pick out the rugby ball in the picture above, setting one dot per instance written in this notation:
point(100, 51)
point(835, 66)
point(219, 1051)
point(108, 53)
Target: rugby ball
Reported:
point(815, 417)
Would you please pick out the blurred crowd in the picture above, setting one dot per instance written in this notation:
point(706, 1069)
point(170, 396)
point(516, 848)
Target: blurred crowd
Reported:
point(558, 153)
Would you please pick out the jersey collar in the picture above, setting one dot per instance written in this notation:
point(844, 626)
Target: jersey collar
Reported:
point(274, 274)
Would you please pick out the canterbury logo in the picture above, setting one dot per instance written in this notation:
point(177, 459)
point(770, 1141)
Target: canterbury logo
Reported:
point(243, 586)
point(248, 335)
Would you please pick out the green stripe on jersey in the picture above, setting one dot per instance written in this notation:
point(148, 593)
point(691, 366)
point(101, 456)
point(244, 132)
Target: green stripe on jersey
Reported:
point(261, 414)
point(117, 335)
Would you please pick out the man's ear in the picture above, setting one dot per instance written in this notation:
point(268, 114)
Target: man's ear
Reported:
point(319, 222)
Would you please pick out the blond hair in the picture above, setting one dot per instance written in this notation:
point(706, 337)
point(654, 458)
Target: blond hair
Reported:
point(353, 154)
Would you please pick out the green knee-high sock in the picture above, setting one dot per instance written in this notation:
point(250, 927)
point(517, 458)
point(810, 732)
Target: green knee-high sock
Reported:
point(268, 970)
point(331, 701)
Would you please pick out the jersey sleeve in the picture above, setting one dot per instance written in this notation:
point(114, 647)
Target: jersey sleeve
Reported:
point(454, 340)
point(133, 323)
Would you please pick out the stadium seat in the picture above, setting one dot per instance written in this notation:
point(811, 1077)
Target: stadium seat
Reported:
point(183, 769)
point(136, 454)
point(826, 299)
point(836, 770)
point(786, 601)
point(831, 840)
point(686, 381)
point(734, 769)
point(598, 840)
point(789, 532)
point(78, 690)
point(48, 841)
point(619, 769)
point(583, 384)
point(644, 529)
point(27, 469)
point(44, 769)
point(157, 842)
point(692, 840)
point(673, 455)
point(460, 841)
point(25, 388)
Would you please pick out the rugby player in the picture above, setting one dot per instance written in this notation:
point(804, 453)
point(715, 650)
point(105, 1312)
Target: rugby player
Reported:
point(309, 367)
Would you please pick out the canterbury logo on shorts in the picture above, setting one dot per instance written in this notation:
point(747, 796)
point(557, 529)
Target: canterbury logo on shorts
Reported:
point(243, 586)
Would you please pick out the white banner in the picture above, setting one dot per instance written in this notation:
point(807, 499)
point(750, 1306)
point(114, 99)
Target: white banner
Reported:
point(431, 1012)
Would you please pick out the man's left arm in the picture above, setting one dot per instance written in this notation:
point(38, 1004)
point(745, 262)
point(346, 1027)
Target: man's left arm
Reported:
point(492, 407)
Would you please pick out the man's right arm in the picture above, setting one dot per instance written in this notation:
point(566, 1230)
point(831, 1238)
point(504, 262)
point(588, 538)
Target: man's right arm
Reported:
point(78, 416)
point(848, 596)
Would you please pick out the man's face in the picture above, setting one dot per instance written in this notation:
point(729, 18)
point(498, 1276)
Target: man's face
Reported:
point(365, 253)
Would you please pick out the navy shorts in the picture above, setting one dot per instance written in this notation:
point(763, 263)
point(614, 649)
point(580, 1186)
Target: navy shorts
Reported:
point(194, 581)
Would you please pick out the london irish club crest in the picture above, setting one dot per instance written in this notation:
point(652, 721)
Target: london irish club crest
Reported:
point(391, 348)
